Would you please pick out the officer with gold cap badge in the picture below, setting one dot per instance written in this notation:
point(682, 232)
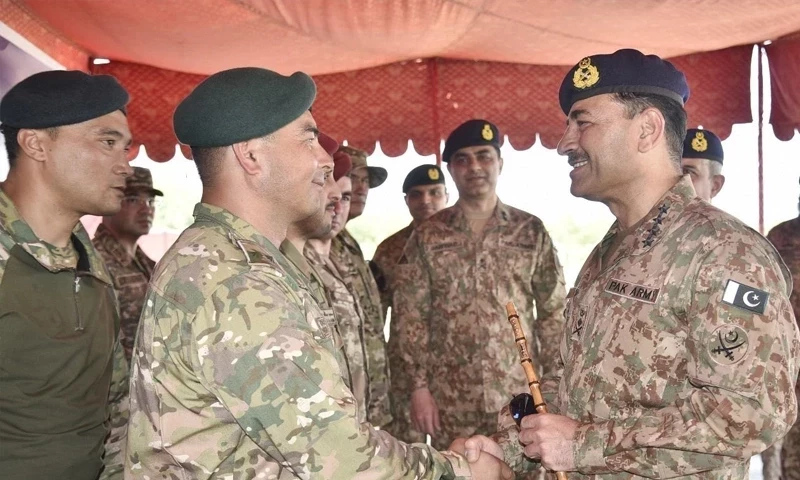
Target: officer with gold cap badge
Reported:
point(457, 272)
point(702, 161)
point(681, 352)
point(64, 377)
point(425, 194)
point(235, 370)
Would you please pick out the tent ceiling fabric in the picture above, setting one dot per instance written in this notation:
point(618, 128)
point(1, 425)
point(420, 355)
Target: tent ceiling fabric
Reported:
point(324, 36)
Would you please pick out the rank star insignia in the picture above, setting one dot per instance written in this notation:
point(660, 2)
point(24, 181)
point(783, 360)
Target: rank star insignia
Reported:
point(433, 174)
point(699, 142)
point(487, 133)
point(728, 344)
point(585, 75)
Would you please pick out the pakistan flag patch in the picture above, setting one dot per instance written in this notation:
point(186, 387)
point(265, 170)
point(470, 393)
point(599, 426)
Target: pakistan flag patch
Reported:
point(745, 296)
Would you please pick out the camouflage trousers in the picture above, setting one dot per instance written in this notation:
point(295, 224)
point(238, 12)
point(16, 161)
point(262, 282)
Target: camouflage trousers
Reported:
point(771, 458)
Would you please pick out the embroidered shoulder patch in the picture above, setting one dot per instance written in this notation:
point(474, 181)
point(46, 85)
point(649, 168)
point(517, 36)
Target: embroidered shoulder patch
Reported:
point(632, 290)
point(745, 296)
point(728, 344)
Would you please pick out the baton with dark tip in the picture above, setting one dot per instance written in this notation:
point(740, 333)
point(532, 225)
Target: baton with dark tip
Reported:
point(527, 365)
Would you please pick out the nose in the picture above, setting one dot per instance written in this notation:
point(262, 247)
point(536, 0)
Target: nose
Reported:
point(123, 168)
point(568, 141)
point(337, 209)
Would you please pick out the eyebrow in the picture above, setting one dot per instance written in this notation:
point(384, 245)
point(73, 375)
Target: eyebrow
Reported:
point(573, 115)
point(309, 128)
point(113, 133)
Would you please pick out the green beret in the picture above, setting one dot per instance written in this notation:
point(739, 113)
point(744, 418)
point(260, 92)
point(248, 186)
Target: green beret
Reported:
point(423, 175)
point(702, 144)
point(56, 98)
point(241, 104)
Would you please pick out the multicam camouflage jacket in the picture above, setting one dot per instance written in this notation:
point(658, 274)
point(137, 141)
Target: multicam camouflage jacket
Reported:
point(449, 304)
point(681, 354)
point(234, 375)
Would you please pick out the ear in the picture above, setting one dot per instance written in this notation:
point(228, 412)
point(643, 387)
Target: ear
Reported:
point(34, 143)
point(500, 159)
point(651, 129)
point(405, 197)
point(247, 157)
point(717, 181)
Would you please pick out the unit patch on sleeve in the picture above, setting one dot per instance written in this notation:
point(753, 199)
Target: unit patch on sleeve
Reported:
point(745, 296)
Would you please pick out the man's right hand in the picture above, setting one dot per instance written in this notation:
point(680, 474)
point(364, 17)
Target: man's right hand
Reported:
point(484, 462)
point(424, 412)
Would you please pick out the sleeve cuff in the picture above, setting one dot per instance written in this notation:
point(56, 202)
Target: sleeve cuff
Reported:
point(589, 445)
point(459, 465)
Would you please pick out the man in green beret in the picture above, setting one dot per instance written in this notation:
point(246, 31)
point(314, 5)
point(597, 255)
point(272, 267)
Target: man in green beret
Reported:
point(63, 375)
point(235, 373)
point(130, 268)
point(346, 254)
point(425, 194)
point(681, 350)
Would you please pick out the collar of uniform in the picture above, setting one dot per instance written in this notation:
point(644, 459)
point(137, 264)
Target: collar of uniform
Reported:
point(297, 259)
point(108, 243)
point(22, 234)
point(348, 242)
point(238, 226)
point(500, 216)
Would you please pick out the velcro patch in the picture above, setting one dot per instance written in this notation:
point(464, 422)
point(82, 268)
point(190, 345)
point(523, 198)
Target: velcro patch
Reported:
point(746, 297)
point(632, 290)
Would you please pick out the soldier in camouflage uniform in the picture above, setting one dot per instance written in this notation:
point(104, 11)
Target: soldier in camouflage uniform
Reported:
point(786, 238)
point(681, 351)
point(63, 375)
point(460, 268)
point(425, 194)
point(349, 260)
point(129, 266)
point(234, 372)
point(347, 311)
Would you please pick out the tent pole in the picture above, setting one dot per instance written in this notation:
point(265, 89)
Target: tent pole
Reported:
point(760, 140)
point(437, 129)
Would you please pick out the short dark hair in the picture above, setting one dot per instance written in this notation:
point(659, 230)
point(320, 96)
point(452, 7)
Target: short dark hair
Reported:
point(674, 117)
point(12, 145)
point(208, 161)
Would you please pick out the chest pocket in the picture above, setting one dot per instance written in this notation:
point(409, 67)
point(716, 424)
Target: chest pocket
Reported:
point(641, 355)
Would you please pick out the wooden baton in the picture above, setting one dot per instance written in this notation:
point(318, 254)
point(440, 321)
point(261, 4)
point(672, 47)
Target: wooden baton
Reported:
point(527, 365)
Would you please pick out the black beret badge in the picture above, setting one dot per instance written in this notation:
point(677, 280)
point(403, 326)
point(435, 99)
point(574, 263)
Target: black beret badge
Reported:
point(487, 133)
point(433, 174)
point(699, 142)
point(586, 75)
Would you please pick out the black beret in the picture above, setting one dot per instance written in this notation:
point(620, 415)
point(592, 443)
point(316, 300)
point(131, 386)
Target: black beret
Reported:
point(55, 98)
point(702, 144)
point(472, 133)
point(241, 104)
point(624, 71)
point(423, 175)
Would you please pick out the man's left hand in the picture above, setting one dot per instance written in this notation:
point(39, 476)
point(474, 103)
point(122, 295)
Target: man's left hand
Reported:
point(549, 438)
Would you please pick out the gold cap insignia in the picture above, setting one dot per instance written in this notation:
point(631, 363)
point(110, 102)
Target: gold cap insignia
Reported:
point(433, 174)
point(699, 142)
point(487, 132)
point(586, 74)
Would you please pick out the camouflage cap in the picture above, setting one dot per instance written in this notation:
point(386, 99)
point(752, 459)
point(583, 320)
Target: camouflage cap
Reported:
point(141, 180)
point(377, 175)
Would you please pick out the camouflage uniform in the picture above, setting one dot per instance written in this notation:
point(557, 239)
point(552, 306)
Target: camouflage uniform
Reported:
point(449, 304)
point(63, 373)
point(346, 255)
point(234, 374)
point(382, 265)
point(350, 319)
point(786, 238)
point(667, 368)
point(130, 276)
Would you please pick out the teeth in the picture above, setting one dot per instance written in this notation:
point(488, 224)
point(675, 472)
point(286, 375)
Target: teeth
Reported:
point(579, 164)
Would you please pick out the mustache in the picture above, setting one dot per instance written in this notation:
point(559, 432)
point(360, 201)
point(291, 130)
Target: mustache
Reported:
point(574, 157)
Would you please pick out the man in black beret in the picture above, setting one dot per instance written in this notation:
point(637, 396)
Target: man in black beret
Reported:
point(237, 371)
point(681, 352)
point(464, 264)
point(702, 161)
point(425, 194)
point(64, 375)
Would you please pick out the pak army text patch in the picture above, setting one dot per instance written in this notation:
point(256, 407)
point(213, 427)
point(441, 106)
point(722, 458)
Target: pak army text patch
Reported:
point(744, 296)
